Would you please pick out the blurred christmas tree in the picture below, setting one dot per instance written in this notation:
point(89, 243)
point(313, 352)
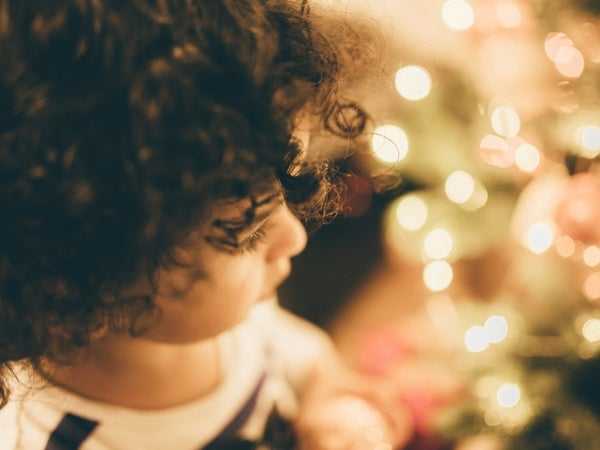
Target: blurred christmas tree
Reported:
point(495, 109)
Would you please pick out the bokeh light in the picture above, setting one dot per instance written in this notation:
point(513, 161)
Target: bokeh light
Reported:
point(438, 244)
point(438, 275)
point(508, 395)
point(565, 246)
point(411, 213)
point(540, 237)
point(509, 14)
point(591, 256)
point(413, 83)
point(496, 152)
point(527, 158)
point(591, 330)
point(506, 121)
point(496, 328)
point(458, 14)
point(476, 339)
point(588, 138)
point(460, 186)
point(390, 144)
point(570, 62)
point(591, 286)
point(554, 42)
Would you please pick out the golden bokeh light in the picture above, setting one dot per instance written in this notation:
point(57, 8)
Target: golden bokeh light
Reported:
point(591, 330)
point(390, 144)
point(411, 213)
point(438, 275)
point(588, 138)
point(496, 328)
point(413, 83)
point(565, 246)
point(591, 286)
point(460, 186)
point(591, 256)
point(438, 244)
point(506, 121)
point(458, 14)
point(508, 395)
point(527, 158)
point(540, 237)
point(476, 339)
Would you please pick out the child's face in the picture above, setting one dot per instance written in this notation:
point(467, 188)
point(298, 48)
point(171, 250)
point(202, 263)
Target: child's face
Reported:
point(198, 306)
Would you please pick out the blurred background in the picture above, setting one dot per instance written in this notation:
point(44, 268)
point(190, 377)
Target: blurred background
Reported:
point(476, 261)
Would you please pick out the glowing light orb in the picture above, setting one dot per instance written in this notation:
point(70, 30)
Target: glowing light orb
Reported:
point(570, 62)
point(565, 246)
point(509, 14)
point(540, 237)
point(458, 14)
point(390, 144)
point(591, 286)
point(460, 186)
point(496, 328)
point(591, 330)
point(506, 121)
point(438, 275)
point(589, 140)
point(476, 339)
point(508, 395)
point(591, 256)
point(438, 244)
point(411, 213)
point(527, 158)
point(496, 152)
point(413, 83)
point(554, 42)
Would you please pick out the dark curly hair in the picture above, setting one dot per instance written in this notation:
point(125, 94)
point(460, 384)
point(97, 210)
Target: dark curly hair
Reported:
point(121, 122)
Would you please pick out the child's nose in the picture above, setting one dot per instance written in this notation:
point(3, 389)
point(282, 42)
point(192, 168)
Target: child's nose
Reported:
point(289, 238)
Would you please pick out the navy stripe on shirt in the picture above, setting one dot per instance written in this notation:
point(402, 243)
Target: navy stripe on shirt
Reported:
point(231, 429)
point(70, 433)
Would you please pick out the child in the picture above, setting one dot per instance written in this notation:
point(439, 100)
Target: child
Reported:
point(153, 182)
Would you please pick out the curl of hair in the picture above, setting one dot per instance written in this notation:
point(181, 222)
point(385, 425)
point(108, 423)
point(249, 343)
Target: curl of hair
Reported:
point(120, 122)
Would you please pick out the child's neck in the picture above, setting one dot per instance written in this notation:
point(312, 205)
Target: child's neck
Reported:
point(143, 374)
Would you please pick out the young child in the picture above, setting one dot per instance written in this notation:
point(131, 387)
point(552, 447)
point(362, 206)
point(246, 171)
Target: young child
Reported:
point(154, 186)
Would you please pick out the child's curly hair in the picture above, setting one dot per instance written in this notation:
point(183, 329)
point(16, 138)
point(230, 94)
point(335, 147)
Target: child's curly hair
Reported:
point(120, 122)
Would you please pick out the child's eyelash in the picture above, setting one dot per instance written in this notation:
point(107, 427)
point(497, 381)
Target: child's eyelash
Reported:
point(251, 243)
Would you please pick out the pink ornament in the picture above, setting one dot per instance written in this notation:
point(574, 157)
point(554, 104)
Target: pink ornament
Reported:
point(578, 212)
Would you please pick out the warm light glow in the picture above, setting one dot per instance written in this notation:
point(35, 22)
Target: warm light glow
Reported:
point(496, 328)
point(589, 141)
point(476, 339)
point(478, 200)
point(496, 152)
point(527, 158)
point(458, 14)
point(554, 43)
point(390, 144)
point(591, 330)
point(506, 121)
point(508, 395)
point(591, 256)
point(509, 14)
point(460, 186)
point(438, 244)
point(565, 246)
point(438, 275)
point(411, 213)
point(569, 62)
point(413, 83)
point(591, 286)
point(540, 237)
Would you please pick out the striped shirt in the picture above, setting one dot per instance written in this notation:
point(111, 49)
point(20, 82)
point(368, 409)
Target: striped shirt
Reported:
point(254, 404)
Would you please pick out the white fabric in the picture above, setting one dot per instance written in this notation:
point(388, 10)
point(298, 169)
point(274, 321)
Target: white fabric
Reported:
point(33, 414)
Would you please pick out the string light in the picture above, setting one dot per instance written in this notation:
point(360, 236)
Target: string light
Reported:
point(565, 246)
point(458, 14)
point(413, 83)
point(496, 328)
point(589, 141)
point(476, 339)
point(540, 237)
point(527, 158)
point(508, 395)
point(411, 213)
point(460, 186)
point(438, 244)
point(591, 256)
point(390, 144)
point(438, 275)
point(506, 121)
point(591, 330)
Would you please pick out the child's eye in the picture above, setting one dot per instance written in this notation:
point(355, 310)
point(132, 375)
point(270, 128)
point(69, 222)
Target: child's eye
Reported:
point(251, 243)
